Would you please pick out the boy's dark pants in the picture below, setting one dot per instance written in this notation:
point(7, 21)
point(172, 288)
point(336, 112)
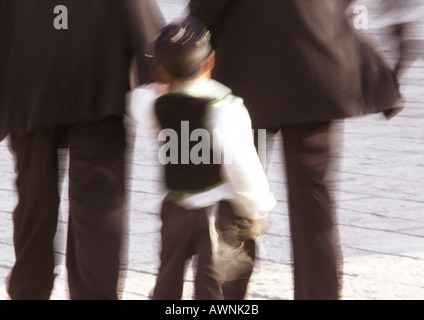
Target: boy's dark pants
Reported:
point(186, 233)
point(226, 221)
point(96, 207)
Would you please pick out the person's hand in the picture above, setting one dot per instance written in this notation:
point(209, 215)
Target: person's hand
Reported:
point(259, 226)
point(250, 229)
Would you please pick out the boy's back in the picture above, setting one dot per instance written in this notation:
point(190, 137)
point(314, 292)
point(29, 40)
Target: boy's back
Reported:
point(183, 115)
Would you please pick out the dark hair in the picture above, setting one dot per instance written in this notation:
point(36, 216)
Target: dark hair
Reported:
point(181, 48)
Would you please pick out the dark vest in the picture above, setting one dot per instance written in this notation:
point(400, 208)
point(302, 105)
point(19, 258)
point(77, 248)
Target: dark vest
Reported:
point(175, 111)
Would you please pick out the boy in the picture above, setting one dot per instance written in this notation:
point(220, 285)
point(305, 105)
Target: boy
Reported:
point(216, 201)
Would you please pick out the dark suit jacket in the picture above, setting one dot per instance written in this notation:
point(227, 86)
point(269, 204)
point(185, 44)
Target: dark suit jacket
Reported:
point(295, 61)
point(58, 77)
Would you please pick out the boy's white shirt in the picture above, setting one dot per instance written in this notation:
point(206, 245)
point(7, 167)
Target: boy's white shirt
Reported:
point(246, 184)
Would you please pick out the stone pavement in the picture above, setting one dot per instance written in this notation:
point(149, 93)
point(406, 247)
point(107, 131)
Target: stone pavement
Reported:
point(379, 187)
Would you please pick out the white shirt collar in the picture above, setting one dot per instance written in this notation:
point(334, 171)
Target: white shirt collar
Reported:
point(203, 88)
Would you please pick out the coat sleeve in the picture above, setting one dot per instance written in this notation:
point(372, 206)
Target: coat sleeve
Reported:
point(5, 37)
point(3, 49)
point(145, 22)
point(209, 11)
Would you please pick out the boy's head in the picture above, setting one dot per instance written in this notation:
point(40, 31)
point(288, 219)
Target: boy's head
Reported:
point(182, 49)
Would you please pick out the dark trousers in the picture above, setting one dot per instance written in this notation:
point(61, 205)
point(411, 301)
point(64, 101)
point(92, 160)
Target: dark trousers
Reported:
point(235, 289)
point(315, 245)
point(96, 207)
point(185, 233)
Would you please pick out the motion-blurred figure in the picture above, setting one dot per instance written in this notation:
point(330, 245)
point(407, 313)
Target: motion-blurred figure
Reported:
point(65, 71)
point(213, 209)
point(299, 66)
point(405, 18)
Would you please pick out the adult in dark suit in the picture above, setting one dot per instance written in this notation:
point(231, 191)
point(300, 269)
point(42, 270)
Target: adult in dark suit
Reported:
point(66, 73)
point(299, 66)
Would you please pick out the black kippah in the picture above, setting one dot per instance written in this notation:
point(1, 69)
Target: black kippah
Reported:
point(177, 41)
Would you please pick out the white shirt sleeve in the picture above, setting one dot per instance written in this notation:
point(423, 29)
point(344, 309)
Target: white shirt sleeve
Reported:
point(140, 105)
point(232, 135)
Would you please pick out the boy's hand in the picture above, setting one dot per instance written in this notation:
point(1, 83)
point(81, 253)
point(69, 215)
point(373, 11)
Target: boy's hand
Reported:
point(250, 229)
